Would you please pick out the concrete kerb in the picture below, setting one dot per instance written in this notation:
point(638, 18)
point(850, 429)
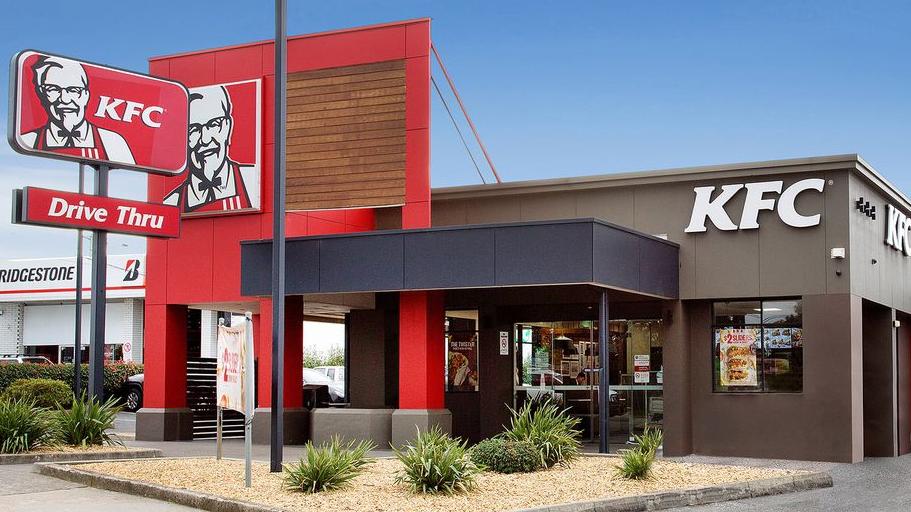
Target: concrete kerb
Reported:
point(697, 496)
point(31, 458)
point(204, 501)
point(646, 502)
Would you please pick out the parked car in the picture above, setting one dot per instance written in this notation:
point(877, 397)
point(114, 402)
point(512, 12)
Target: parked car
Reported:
point(132, 392)
point(313, 376)
point(336, 373)
point(20, 359)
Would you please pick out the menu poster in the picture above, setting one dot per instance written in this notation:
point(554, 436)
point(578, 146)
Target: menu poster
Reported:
point(737, 353)
point(229, 369)
point(462, 374)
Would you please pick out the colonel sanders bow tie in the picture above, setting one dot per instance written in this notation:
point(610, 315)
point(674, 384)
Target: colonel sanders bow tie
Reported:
point(70, 137)
point(208, 186)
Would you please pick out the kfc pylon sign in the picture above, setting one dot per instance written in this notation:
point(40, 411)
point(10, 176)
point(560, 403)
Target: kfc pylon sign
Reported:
point(75, 110)
point(81, 211)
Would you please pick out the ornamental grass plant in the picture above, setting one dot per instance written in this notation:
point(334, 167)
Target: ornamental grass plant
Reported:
point(23, 426)
point(436, 463)
point(329, 466)
point(549, 429)
point(86, 423)
point(637, 463)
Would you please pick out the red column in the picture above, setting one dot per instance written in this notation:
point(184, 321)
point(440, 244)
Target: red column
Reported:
point(294, 351)
point(421, 350)
point(165, 356)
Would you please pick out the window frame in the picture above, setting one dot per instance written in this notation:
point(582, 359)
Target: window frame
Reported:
point(760, 358)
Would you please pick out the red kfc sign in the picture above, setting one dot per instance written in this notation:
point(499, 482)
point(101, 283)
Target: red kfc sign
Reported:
point(81, 211)
point(75, 110)
point(224, 170)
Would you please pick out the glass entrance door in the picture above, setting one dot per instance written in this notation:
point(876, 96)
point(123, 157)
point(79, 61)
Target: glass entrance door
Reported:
point(636, 377)
point(560, 361)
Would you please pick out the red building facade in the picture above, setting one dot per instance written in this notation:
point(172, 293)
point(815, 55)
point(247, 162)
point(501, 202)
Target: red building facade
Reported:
point(202, 268)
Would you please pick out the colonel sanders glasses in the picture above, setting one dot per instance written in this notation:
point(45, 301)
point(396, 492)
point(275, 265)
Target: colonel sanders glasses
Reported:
point(55, 92)
point(213, 126)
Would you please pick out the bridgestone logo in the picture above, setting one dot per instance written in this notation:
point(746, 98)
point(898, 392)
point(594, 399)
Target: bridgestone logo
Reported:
point(37, 274)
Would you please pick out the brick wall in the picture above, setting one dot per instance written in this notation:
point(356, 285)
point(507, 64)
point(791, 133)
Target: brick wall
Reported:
point(11, 328)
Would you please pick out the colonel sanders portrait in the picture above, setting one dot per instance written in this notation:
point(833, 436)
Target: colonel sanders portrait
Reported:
point(213, 181)
point(63, 89)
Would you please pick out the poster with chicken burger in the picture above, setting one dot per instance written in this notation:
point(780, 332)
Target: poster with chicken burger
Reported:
point(462, 373)
point(737, 354)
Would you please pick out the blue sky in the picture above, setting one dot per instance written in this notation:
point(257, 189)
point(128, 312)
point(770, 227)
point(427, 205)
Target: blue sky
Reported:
point(567, 88)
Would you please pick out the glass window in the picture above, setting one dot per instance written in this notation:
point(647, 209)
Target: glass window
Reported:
point(758, 346)
point(462, 350)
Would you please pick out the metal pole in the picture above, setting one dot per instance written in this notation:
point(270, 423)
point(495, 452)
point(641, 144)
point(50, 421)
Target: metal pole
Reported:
point(77, 340)
point(278, 242)
point(99, 295)
point(603, 381)
point(249, 396)
point(218, 433)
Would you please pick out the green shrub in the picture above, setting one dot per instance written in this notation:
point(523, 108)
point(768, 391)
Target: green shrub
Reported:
point(23, 426)
point(637, 463)
point(436, 463)
point(550, 430)
point(329, 466)
point(115, 374)
point(45, 393)
point(505, 456)
point(86, 423)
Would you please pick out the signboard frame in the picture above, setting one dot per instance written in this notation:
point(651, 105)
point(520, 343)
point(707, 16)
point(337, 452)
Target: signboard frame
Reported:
point(13, 116)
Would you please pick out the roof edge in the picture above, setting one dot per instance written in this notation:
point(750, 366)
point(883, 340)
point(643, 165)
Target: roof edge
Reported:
point(290, 38)
point(849, 161)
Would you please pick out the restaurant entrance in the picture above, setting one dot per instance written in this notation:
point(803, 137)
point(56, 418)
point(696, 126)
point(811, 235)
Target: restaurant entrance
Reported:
point(561, 361)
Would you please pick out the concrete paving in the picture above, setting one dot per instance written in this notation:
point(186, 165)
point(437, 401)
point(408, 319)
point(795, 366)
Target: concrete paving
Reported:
point(23, 490)
point(875, 484)
point(880, 484)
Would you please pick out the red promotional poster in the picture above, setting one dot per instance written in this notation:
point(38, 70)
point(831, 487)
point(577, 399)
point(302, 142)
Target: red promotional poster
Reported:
point(82, 211)
point(75, 110)
point(224, 170)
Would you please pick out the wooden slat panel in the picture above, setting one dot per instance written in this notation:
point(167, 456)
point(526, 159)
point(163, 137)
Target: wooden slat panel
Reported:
point(350, 203)
point(356, 86)
point(357, 69)
point(347, 120)
point(348, 94)
point(346, 137)
point(351, 144)
point(306, 156)
point(346, 112)
point(294, 85)
point(318, 131)
point(335, 178)
point(348, 103)
point(353, 169)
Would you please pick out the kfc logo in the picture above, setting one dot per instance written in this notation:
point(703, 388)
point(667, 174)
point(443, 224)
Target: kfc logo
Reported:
point(74, 110)
point(223, 151)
